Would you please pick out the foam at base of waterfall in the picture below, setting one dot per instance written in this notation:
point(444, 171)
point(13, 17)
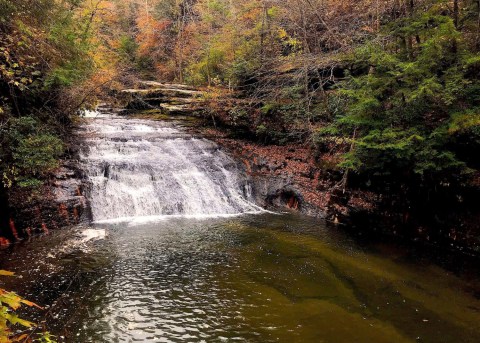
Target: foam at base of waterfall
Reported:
point(133, 221)
point(92, 235)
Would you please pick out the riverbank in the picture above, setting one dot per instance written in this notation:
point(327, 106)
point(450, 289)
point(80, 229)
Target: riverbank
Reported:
point(288, 177)
point(59, 202)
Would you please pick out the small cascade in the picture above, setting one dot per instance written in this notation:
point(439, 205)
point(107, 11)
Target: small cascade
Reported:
point(142, 168)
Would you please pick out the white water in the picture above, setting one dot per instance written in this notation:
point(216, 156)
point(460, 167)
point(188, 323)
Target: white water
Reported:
point(153, 170)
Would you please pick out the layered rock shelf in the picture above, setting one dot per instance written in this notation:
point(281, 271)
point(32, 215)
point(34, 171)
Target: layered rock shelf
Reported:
point(168, 98)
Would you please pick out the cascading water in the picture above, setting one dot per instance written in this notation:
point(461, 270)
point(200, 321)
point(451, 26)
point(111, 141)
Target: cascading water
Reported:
point(143, 168)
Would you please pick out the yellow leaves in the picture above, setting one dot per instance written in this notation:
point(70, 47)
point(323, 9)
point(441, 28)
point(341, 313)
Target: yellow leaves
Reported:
point(14, 319)
point(20, 338)
point(4, 336)
point(6, 273)
point(14, 301)
point(10, 301)
point(9, 318)
point(9, 176)
point(462, 122)
point(31, 304)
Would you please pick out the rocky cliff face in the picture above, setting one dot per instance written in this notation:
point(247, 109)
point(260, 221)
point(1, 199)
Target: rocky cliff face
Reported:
point(58, 204)
point(287, 177)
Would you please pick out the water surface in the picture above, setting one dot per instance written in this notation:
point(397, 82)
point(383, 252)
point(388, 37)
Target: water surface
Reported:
point(263, 278)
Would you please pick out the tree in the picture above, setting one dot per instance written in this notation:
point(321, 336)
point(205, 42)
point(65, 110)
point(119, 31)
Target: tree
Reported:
point(399, 115)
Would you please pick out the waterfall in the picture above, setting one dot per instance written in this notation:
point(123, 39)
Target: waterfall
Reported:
point(143, 168)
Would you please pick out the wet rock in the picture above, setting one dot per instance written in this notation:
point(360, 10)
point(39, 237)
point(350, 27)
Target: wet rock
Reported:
point(156, 84)
point(59, 203)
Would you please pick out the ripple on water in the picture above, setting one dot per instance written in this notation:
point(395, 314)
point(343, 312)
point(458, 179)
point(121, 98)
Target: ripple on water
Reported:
point(252, 279)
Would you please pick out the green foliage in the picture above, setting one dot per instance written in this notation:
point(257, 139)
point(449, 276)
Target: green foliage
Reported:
point(384, 151)
point(32, 150)
point(67, 74)
point(19, 68)
point(467, 121)
point(45, 337)
point(208, 68)
point(75, 65)
point(44, 49)
point(240, 71)
point(400, 115)
point(166, 9)
point(38, 154)
point(261, 130)
point(128, 47)
point(268, 108)
point(6, 9)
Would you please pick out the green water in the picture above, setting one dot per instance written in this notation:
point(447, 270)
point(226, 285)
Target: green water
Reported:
point(265, 278)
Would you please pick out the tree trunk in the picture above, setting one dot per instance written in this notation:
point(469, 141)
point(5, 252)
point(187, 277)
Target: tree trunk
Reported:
point(411, 6)
point(455, 21)
point(477, 39)
point(455, 13)
point(263, 33)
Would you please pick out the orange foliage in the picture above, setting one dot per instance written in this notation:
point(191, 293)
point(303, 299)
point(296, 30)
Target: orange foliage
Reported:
point(151, 38)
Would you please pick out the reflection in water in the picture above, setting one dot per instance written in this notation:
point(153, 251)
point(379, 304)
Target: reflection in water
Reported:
point(261, 278)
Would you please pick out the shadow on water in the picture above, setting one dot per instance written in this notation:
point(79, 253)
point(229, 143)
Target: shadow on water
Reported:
point(264, 278)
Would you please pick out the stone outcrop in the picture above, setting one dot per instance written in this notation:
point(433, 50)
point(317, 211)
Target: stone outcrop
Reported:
point(169, 98)
point(288, 178)
point(59, 203)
